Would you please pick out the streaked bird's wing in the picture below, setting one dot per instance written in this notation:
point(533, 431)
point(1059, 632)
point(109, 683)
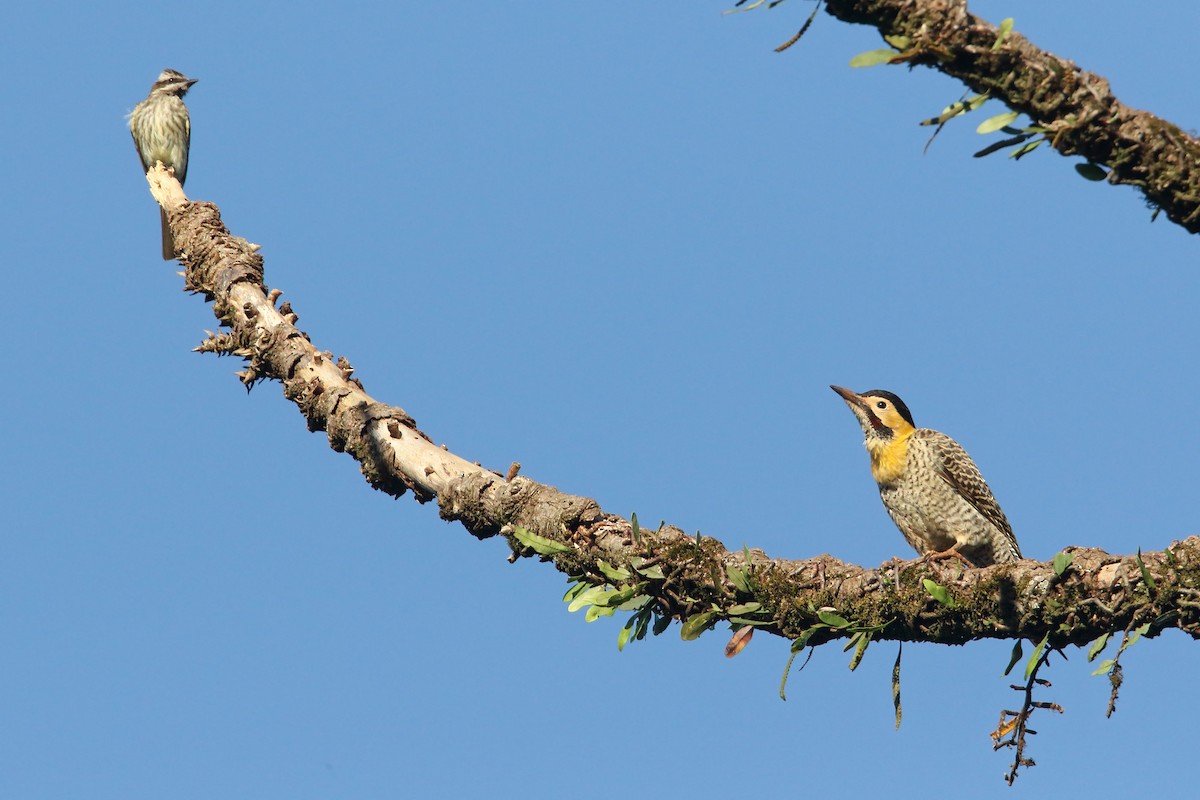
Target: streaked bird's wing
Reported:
point(181, 169)
point(138, 148)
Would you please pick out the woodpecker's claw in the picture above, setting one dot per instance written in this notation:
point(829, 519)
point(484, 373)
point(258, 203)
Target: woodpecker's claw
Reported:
point(947, 554)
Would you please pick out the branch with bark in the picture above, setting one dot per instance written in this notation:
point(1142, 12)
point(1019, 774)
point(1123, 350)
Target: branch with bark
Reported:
point(1077, 108)
point(670, 574)
point(1083, 595)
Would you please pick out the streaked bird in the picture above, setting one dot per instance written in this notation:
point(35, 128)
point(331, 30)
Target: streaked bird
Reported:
point(929, 485)
point(162, 131)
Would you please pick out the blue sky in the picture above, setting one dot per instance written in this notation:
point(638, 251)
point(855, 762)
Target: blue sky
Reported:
point(629, 246)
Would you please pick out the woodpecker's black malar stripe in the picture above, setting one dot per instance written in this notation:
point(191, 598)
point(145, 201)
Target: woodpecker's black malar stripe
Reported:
point(896, 401)
point(881, 430)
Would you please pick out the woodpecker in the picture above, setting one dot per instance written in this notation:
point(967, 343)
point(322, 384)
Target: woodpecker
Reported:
point(930, 486)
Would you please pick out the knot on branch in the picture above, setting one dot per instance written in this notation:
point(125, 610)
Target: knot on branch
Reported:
point(484, 502)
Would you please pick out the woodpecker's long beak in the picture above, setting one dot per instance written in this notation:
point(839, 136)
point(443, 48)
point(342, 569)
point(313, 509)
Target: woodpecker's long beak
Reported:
point(850, 397)
point(862, 411)
point(191, 81)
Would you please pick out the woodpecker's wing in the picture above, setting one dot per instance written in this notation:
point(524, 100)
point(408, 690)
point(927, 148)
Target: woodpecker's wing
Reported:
point(958, 470)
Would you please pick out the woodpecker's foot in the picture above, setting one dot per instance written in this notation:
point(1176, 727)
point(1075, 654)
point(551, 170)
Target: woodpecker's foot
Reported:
point(949, 553)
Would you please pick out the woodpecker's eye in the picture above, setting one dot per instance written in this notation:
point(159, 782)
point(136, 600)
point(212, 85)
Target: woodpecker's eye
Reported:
point(881, 404)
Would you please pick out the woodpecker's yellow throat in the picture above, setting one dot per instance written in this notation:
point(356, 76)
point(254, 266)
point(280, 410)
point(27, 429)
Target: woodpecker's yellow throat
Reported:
point(929, 485)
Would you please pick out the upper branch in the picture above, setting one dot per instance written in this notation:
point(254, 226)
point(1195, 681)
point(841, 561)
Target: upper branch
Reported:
point(683, 576)
point(1078, 107)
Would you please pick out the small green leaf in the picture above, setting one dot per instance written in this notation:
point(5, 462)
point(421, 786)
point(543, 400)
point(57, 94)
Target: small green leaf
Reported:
point(643, 622)
point(635, 603)
point(832, 619)
point(1138, 633)
point(695, 625)
point(1061, 562)
point(872, 57)
point(898, 42)
point(738, 578)
point(593, 595)
point(611, 572)
point(978, 100)
point(896, 685)
point(539, 544)
point(736, 10)
point(749, 621)
point(864, 639)
point(1026, 148)
point(576, 590)
point(1105, 667)
point(957, 109)
point(595, 612)
point(939, 593)
point(1000, 145)
point(1093, 172)
point(948, 113)
point(1031, 665)
point(1017, 652)
point(1002, 32)
point(786, 669)
point(993, 124)
point(623, 636)
point(616, 598)
point(744, 608)
point(635, 530)
point(801, 641)
point(1146, 579)
point(654, 572)
point(661, 623)
point(1098, 646)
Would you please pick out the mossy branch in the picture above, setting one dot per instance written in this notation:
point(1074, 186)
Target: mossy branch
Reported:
point(684, 576)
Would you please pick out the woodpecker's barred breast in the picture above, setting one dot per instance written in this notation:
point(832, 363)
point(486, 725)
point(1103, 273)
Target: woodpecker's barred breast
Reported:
point(929, 485)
